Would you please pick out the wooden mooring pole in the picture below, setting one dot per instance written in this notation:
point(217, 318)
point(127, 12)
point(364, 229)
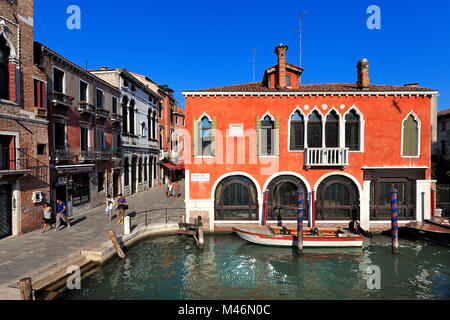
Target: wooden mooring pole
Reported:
point(112, 236)
point(300, 221)
point(26, 291)
point(394, 220)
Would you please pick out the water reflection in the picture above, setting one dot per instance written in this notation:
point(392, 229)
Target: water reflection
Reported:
point(229, 268)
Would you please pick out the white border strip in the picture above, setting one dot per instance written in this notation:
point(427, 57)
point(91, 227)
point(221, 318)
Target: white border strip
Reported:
point(309, 93)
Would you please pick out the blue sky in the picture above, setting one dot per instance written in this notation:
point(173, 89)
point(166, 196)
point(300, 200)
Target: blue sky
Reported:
point(201, 44)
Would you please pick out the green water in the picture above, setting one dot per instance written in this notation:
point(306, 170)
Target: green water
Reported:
point(172, 267)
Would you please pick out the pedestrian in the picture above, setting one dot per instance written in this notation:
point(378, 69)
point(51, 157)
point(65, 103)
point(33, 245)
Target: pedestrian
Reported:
point(47, 216)
point(121, 207)
point(62, 214)
point(169, 189)
point(109, 207)
point(176, 189)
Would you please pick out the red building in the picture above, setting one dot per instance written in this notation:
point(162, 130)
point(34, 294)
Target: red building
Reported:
point(24, 183)
point(84, 133)
point(344, 144)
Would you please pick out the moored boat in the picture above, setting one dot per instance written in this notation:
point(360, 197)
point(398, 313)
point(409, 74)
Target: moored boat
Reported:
point(287, 237)
point(436, 230)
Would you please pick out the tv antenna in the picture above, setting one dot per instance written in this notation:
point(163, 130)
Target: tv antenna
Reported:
point(300, 30)
point(254, 62)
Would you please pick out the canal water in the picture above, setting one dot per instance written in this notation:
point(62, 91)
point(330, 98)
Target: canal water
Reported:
point(172, 267)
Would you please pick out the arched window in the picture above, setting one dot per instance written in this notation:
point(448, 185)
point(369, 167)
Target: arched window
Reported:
point(124, 114)
point(145, 170)
point(332, 130)
point(236, 199)
point(410, 137)
point(315, 130)
point(132, 124)
point(337, 199)
point(283, 198)
point(352, 129)
point(205, 136)
point(4, 75)
point(126, 173)
point(297, 134)
point(267, 136)
point(140, 171)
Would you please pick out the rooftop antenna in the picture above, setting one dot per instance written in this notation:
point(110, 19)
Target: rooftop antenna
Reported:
point(301, 18)
point(254, 62)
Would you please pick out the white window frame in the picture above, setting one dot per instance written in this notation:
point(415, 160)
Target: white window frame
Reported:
point(199, 121)
point(87, 91)
point(419, 126)
point(289, 130)
point(64, 79)
point(341, 139)
point(117, 105)
point(361, 128)
point(273, 136)
point(96, 98)
point(45, 90)
point(60, 121)
point(88, 135)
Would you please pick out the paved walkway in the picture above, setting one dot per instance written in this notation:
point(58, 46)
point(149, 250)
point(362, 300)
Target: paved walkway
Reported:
point(29, 252)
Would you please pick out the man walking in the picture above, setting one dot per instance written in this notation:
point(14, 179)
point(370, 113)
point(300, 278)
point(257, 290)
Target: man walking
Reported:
point(121, 206)
point(61, 214)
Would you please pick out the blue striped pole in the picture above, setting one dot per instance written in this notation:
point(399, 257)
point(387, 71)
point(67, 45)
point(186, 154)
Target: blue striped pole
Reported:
point(300, 220)
point(394, 220)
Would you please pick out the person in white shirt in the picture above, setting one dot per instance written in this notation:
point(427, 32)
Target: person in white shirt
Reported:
point(109, 207)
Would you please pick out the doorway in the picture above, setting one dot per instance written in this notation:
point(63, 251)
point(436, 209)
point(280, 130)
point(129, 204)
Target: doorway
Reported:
point(5, 211)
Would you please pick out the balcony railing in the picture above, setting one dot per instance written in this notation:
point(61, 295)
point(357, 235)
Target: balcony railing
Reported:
point(116, 118)
point(101, 113)
point(129, 139)
point(84, 107)
point(117, 153)
point(326, 157)
point(61, 99)
point(16, 160)
point(66, 154)
point(88, 154)
point(104, 155)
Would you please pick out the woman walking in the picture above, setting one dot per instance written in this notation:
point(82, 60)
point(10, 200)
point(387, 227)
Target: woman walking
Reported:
point(47, 216)
point(169, 190)
point(109, 207)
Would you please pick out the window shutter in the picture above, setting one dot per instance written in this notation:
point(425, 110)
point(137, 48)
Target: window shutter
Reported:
point(213, 136)
point(194, 137)
point(410, 133)
point(277, 137)
point(258, 136)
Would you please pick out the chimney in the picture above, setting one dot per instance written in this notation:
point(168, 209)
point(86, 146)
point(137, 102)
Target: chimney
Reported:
point(363, 74)
point(281, 53)
point(104, 68)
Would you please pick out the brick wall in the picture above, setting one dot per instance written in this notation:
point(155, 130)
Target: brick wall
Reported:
point(21, 105)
